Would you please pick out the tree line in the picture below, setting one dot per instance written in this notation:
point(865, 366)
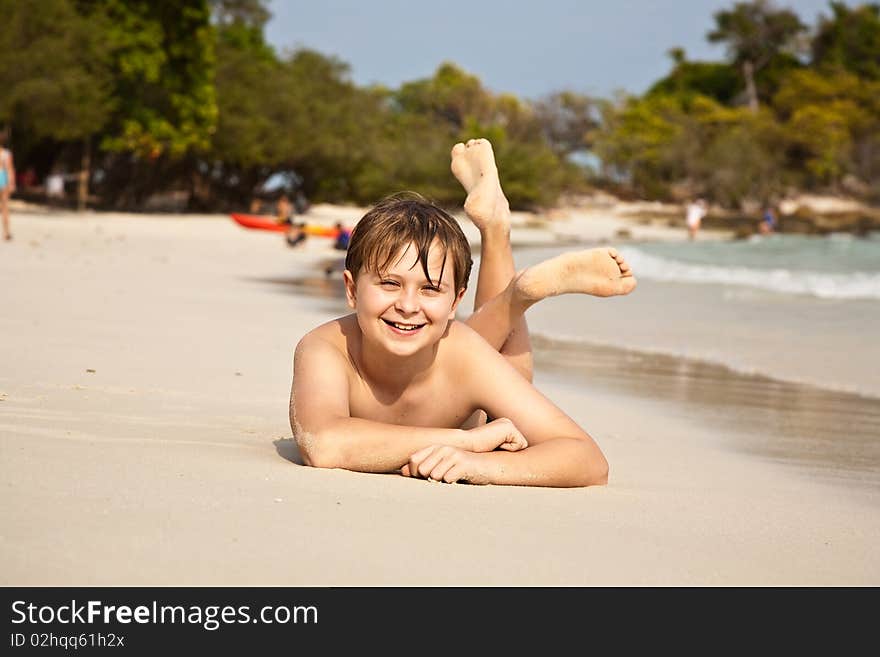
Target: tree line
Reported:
point(153, 96)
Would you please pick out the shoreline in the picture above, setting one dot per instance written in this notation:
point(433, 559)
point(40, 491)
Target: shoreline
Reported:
point(715, 395)
point(853, 459)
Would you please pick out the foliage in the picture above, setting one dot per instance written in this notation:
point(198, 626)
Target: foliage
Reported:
point(54, 75)
point(189, 96)
point(832, 121)
point(819, 127)
point(756, 34)
point(850, 39)
point(163, 68)
point(718, 81)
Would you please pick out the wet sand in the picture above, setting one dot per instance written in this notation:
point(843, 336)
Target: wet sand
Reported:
point(821, 433)
point(144, 439)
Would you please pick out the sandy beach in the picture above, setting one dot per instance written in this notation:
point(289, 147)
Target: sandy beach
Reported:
point(145, 369)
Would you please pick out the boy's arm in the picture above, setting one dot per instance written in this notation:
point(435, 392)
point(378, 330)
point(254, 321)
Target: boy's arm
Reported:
point(560, 452)
point(327, 435)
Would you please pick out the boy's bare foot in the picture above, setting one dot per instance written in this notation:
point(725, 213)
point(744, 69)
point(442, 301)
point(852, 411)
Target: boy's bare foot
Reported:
point(473, 164)
point(602, 272)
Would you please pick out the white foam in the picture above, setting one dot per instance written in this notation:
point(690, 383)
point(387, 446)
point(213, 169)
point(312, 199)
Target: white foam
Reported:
point(825, 285)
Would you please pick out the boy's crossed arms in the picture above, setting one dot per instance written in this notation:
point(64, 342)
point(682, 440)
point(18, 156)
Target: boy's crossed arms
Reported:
point(422, 435)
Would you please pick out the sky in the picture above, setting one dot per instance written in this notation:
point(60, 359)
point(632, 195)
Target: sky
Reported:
point(526, 47)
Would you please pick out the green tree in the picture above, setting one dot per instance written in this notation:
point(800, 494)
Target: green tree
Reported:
point(163, 71)
point(55, 79)
point(567, 120)
point(756, 33)
point(849, 39)
point(832, 119)
point(744, 159)
point(716, 80)
point(248, 119)
point(451, 96)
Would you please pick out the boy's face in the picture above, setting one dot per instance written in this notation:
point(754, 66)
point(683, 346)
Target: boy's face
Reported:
point(400, 309)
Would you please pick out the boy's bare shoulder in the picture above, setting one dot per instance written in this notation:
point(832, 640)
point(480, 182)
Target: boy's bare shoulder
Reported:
point(466, 345)
point(461, 333)
point(331, 337)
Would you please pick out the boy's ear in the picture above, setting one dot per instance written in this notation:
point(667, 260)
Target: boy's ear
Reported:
point(458, 298)
point(350, 288)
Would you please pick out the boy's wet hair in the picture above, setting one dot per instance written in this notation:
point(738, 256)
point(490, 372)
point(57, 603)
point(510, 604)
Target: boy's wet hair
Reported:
point(403, 219)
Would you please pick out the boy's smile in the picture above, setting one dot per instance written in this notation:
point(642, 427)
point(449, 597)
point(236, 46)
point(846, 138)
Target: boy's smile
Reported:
point(401, 309)
point(403, 328)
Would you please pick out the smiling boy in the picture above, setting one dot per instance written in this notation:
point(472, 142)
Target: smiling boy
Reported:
point(398, 385)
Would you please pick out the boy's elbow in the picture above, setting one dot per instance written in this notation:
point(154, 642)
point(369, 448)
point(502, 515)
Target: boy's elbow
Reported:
point(596, 472)
point(599, 474)
point(322, 458)
point(318, 452)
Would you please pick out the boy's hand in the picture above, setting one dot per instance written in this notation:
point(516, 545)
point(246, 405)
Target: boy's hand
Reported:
point(447, 463)
point(500, 433)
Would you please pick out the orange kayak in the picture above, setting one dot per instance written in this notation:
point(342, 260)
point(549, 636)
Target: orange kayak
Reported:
point(266, 222)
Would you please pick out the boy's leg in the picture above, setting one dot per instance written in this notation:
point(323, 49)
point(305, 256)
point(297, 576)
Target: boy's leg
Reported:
point(474, 166)
point(4, 210)
point(502, 296)
point(601, 272)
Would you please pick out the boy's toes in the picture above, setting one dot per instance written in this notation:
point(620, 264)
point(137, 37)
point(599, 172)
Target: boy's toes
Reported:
point(458, 149)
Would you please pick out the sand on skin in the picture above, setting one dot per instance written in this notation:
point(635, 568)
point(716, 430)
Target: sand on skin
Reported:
point(169, 464)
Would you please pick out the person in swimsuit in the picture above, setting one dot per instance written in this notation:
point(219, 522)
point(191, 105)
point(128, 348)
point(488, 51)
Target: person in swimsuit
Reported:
point(768, 221)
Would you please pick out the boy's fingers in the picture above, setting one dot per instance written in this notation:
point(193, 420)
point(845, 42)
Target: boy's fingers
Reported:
point(438, 473)
point(405, 470)
point(431, 461)
point(417, 458)
point(453, 474)
point(515, 443)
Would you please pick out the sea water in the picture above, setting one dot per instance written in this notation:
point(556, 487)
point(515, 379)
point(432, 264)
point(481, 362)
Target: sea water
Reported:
point(794, 308)
point(770, 343)
point(839, 266)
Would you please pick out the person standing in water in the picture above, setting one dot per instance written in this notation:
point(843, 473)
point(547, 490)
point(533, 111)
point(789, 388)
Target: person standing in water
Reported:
point(696, 210)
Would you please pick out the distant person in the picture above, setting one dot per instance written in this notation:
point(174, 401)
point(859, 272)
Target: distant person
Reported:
point(768, 221)
point(296, 233)
point(343, 237)
point(7, 183)
point(283, 210)
point(696, 210)
point(55, 185)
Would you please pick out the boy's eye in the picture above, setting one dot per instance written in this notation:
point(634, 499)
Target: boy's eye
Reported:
point(431, 288)
point(388, 283)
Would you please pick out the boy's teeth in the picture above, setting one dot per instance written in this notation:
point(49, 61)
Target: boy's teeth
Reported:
point(404, 327)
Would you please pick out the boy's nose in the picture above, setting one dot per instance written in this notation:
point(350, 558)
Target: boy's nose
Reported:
point(407, 301)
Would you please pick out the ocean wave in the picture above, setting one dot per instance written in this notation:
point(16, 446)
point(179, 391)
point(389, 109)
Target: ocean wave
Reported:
point(824, 285)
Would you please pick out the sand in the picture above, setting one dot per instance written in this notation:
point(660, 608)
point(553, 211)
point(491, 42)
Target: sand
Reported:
point(145, 366)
